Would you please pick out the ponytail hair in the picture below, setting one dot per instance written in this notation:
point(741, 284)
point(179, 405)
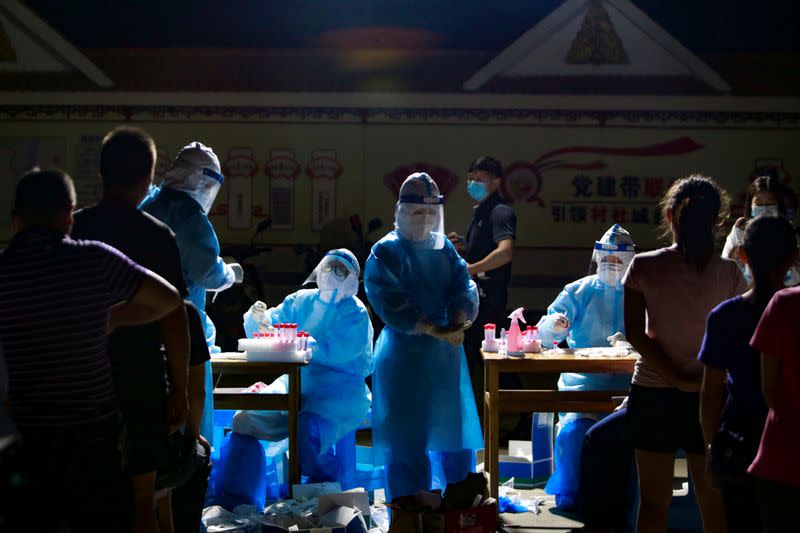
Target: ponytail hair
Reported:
point(698, 206)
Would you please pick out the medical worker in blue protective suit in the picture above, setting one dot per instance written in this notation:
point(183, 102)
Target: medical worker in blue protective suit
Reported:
point(182, 202)
point(419, 285)
point(586, 313)
point(334, 397)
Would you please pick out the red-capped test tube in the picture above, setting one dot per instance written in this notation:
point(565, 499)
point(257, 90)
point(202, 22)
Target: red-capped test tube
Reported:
point(489, 331)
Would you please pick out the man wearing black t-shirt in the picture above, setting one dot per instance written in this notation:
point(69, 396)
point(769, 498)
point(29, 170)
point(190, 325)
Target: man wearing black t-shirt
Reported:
point(488, 250)
point(127, 161)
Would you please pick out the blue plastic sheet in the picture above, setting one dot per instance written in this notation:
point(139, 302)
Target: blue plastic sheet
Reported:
point(565, 480)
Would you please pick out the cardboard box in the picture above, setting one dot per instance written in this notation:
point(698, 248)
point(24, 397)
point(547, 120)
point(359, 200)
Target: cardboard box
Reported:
point(482, 519)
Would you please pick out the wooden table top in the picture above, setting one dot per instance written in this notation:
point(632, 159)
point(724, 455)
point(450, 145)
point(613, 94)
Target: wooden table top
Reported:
point(235, 363)
point(562, 361)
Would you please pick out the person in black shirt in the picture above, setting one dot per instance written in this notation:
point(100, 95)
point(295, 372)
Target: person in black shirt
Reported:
point(488, 250)
point(127, 162)
point(188, 497)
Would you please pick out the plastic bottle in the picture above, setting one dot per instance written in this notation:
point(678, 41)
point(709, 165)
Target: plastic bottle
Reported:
point(489, 331)
point(514, 336)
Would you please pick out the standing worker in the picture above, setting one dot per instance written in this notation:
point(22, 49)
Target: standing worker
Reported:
point(183, 201)
point(422, 399)
point(488, 250)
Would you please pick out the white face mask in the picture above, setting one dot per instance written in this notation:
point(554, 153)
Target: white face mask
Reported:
point(418, 227)
point(610, 273)
point(328, 285)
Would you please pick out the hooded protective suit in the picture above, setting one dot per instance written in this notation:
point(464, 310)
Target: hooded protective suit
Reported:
point(334, 397)
point(593, 308)
point(182, 202)
point(419, 286)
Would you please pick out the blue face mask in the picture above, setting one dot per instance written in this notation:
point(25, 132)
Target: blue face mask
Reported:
point(477, 190)
point(769, 210)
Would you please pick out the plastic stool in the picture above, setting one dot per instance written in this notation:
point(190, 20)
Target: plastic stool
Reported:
point(542, 442)
point(240, 475)
point(223, 418)
point(346, 466)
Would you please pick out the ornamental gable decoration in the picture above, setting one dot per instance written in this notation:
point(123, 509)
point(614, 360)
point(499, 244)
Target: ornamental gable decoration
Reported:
point(609, 46)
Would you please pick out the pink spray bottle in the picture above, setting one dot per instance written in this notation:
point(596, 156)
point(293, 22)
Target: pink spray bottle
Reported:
point(514, 335)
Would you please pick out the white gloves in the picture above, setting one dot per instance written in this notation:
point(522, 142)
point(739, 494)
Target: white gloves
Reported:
point(618, 340)
point(238, 272)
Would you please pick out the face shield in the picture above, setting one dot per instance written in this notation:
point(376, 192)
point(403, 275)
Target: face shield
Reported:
point(419, 214)
point(612, 255)
point(196, 171)
point(336, 276)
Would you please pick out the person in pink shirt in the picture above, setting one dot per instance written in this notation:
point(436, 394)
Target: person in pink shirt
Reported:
point(777, 464)
point(669, 292)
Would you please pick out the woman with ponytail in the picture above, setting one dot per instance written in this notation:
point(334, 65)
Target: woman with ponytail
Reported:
point(732, 407)
point(669, 292)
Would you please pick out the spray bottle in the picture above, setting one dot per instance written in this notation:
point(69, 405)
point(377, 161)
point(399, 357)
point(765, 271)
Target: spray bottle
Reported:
point(514, 335)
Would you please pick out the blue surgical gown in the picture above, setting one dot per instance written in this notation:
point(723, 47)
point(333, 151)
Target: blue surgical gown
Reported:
point(423, 398)
point(595, 312)
point(202, 267)
point(332, 386)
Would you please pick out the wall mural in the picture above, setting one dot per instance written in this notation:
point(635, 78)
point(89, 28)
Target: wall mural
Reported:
point(596, 196)
point(281, 169)
point(239, 169)
point(324, 170)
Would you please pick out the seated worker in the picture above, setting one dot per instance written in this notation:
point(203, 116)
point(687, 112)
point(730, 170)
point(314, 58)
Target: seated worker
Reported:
point(334, 397)
point(61, 391)
point(127, 162)
point(586, 313)
point(182, 202)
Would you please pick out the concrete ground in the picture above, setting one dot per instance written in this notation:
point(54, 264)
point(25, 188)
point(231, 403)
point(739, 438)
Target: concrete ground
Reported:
point(550, 520)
